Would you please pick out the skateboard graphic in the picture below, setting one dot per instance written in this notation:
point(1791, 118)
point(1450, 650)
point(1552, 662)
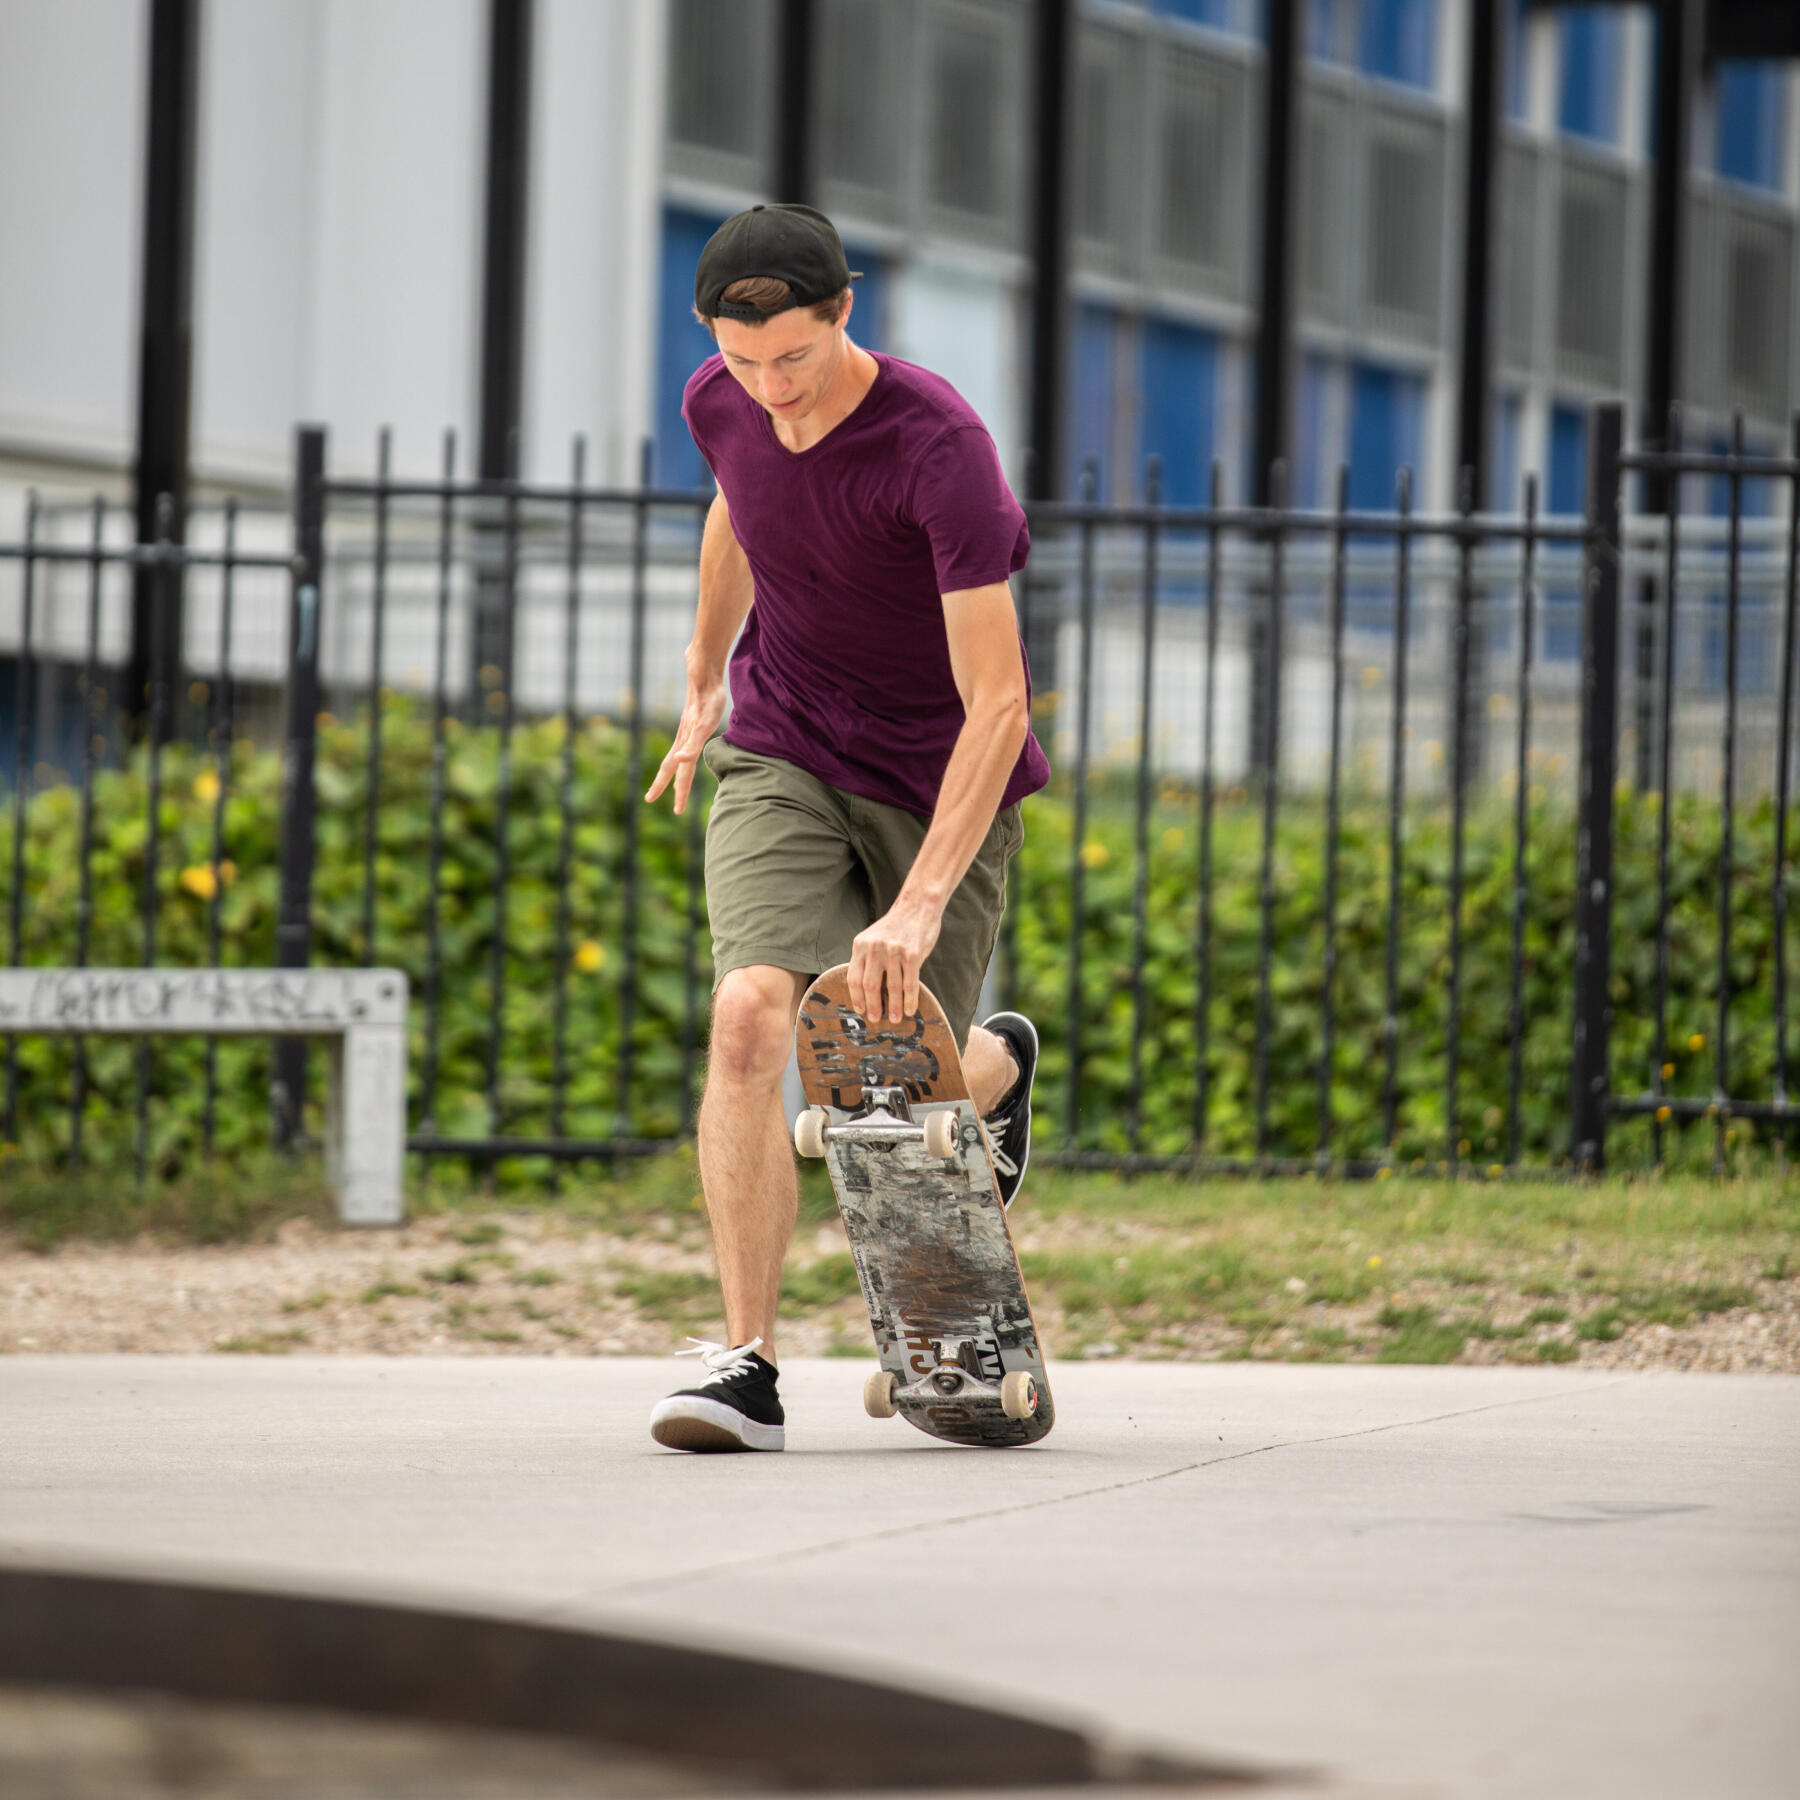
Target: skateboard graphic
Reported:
point(890, 1112)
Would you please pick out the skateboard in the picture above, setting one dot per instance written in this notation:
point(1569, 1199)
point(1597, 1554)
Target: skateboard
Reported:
point(891, 1115)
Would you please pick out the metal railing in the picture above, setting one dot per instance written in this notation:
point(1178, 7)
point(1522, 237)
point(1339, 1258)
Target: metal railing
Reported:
point(1383, 701)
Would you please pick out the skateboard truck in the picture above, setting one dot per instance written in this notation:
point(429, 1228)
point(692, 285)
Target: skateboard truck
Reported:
point(952, 1379)
point(884, 1119)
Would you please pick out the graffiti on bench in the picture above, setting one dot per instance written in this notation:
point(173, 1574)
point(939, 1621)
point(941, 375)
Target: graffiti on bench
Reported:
point(279, 1002)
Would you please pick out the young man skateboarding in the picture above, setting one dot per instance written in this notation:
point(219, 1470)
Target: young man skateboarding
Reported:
point(880, 741)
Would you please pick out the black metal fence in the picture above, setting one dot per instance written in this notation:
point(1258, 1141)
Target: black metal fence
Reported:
point(1329, 875)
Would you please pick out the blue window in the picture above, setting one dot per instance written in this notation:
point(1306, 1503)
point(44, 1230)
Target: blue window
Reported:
point(1395, 39)
point(1593, 66)
point(1387, 421)
point(1504, 491)
point(683, 343)
point(1398, 39)
point(1217, 13)
point(1561, 624)
point(1518, 96)
point(1568, 460)
point(1322, 29)
point(1752, 122)
point(1315, 468)
point(1180, 400)
point(869, 312)
point(1093, 391)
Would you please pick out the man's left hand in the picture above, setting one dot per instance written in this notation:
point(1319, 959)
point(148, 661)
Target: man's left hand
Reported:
point(885, 961)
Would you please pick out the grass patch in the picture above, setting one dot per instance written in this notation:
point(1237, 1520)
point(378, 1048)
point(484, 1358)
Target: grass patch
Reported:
point(210, 1206)
point(1419, 1336)
point(261, 1343)
point(1602, 1325)
point(1417, 1267)
point(464, 1272)
point(822, 1282)
point(387, 1289)
point(307, 1303)
point(676, 1295)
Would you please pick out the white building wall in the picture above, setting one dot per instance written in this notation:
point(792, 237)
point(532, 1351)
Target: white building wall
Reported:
point(962, 324)
point(71, 186)
point(395, 293)
point(338, 239)
point(591, 286)
point(260, 75)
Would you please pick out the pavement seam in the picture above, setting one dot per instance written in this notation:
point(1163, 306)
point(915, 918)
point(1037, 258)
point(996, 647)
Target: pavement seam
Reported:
point(657, 1583)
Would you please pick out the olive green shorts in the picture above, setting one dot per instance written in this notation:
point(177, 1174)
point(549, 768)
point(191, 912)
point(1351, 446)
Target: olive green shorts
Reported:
point(796, 868)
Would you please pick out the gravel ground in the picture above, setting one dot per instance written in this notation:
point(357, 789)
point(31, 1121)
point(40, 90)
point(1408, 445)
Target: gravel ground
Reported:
point(534, 1284)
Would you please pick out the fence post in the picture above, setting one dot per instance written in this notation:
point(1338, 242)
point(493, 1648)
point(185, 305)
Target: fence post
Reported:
point(1594, 799)
point(293, 927)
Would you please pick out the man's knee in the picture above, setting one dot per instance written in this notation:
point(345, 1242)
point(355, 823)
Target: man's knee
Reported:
point(752, 1025)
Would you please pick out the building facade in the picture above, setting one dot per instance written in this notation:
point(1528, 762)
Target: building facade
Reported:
point(918, 137)
point(340, 196)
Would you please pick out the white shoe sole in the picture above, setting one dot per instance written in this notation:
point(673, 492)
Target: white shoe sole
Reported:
point(688, 1422)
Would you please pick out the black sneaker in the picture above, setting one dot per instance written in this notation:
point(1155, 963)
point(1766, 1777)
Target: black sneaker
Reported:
point(1009, 1124)
point(734, 1408)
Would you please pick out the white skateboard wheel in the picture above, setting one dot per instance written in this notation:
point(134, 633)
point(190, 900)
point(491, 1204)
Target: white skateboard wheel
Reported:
point(941, 1134)
point(809, 1131)
point(878, 1394)
point(1018, 1394)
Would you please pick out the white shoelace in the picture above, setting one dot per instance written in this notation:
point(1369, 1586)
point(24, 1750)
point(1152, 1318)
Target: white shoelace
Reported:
point(1003, 1163)
point(721, 1361)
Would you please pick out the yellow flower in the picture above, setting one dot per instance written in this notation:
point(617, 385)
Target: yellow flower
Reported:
point(1383, 1174)
point(1374, 1262)
point(1662, 1115)
point(1697, 1041)
point(590, 957)
point(200, 881)
point(1173, 839)
point(1668, 1070)
point(1095, 854)
point(206, 787)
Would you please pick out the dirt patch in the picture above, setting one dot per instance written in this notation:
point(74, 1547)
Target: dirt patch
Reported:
point(535, 1283)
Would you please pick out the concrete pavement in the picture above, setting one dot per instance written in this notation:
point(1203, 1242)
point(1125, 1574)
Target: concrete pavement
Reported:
point(1445, 1581)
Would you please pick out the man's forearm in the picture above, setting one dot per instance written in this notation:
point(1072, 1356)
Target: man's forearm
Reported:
point(726, 592)
point(986, 751)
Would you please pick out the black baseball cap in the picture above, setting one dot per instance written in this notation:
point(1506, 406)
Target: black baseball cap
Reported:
point(795, 244)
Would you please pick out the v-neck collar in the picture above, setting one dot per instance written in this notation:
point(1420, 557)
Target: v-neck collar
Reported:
point(768, 424)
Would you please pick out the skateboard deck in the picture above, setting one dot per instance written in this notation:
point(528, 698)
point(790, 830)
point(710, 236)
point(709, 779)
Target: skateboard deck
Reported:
point(890, 1112)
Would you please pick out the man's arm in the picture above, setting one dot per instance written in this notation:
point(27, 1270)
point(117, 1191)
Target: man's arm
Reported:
point(983, 631)
point(726, 591)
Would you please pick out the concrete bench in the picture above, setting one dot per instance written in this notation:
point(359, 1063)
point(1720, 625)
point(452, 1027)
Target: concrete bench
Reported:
point(360, 1013)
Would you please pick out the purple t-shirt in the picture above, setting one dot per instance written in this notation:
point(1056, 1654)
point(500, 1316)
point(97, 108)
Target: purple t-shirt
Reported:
point(843, 667)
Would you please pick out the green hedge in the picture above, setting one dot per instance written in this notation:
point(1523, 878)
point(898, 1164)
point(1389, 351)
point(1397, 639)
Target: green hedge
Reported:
point(1042, 909)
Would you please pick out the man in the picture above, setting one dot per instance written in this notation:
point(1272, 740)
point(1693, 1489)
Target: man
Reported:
point(880, 741)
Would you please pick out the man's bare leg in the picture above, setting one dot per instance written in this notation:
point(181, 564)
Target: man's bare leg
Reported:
point(746, 1157)
point(990, 1068)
